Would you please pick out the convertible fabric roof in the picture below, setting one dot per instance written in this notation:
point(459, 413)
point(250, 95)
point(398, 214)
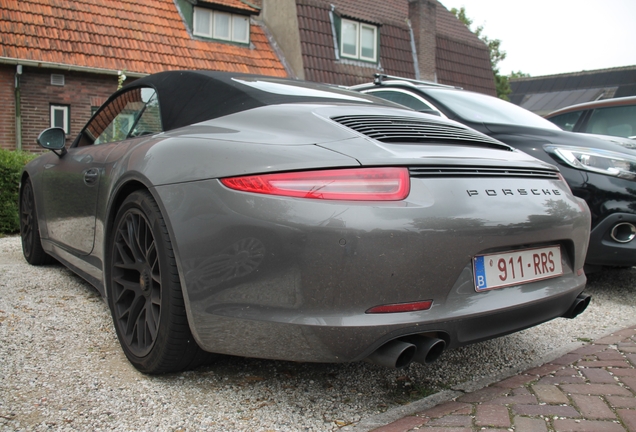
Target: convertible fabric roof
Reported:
point(188, 97)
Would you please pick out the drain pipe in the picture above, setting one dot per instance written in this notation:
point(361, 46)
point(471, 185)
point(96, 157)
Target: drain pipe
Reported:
point(18, 109)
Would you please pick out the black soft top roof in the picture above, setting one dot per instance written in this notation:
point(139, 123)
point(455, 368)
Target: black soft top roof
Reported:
point(188, 97)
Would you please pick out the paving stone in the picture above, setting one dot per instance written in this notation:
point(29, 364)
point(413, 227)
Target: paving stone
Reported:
point(589, 349)
point(567, 359)
point(610, 354)
point(468, 409)
point(627, 333)
point(521, 391)
point(483, 395)
point(610, 340)
point(621, 401)
point(544, 370)
point(631, 358)
point(492, 415)
point(597, 375)
point(546, 410)
point(586, 426)
point(451, 420)
point(629, 381)
point(629, 418)
point(627, 346)
point(526, 424)
point(448, 429)
point(525, 399)
point(605, 363)
point(623, 372)
point(567, 371)
point(444, 409)
point(516, 381)
point(403, 425)
point(550, 394)
point(593, 407)
point(561, 380)
point(596, 389)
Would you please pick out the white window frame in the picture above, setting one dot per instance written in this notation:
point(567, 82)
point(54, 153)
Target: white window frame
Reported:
point(359, 26)
point(65, 110)
point(212, 34)
point(203, 11)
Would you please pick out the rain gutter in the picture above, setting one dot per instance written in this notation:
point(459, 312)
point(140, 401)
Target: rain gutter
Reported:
point(67, 67)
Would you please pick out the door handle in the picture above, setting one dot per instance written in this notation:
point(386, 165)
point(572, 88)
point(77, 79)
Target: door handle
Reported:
point(90, 176)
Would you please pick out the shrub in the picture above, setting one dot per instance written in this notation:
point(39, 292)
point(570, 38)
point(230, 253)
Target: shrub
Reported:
point(11, 163)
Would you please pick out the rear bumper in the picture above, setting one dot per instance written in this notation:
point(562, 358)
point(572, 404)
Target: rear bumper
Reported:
point(291, 279)
point(254, 332)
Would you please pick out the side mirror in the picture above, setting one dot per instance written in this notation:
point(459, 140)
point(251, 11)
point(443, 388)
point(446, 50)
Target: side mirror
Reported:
point(52, 139)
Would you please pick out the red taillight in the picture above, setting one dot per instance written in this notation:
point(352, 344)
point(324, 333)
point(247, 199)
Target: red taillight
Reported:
point(402, 307)
point(359, 184)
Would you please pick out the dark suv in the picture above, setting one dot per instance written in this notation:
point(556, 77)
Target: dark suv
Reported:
point(601, 172)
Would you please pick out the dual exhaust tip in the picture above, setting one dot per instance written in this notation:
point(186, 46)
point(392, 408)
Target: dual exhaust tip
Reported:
point(399, 353)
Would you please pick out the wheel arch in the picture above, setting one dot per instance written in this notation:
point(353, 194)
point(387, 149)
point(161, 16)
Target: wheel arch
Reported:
point(124, 190)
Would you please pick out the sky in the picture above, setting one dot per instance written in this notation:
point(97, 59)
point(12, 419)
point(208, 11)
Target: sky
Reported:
point(545, 37)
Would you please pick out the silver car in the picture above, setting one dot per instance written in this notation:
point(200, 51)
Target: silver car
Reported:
point(263, 217)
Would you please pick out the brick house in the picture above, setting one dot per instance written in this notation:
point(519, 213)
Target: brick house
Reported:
point(60, 60)
point(346, 41)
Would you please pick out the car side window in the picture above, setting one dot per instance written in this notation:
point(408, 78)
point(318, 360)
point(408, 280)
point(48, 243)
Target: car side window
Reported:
point(566, 121)
point(133, 113)
point(406, 99)
point(616, 121)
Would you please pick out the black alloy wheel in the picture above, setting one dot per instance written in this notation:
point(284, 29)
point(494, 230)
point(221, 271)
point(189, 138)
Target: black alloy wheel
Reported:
point(29, 229)
point(136, 277)
point(144, 292)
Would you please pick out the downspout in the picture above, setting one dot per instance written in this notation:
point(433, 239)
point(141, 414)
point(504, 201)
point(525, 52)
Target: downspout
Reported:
point(333, 30)
point(18, 109)
point(416, 65)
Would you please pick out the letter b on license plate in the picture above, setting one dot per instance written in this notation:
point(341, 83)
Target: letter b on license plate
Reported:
point(500, 270)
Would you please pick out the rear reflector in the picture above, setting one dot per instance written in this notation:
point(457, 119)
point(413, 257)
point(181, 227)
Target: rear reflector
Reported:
point(402, 307)
point(358, 184)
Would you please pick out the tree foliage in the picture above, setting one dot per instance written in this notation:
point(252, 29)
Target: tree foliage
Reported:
point(497, 55)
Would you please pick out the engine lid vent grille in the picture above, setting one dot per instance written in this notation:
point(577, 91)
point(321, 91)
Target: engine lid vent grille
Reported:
point(454, 171)
point(398, 129)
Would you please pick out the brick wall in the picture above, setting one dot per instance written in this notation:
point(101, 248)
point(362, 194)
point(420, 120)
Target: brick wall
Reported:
point(423, 16)
point(80, 92)
point(7, 111)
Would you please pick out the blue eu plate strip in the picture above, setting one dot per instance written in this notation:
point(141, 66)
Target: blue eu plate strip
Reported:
point(480, 273)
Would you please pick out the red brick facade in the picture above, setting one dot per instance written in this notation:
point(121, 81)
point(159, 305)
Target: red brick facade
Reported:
point(80, 92)
point(7, 113)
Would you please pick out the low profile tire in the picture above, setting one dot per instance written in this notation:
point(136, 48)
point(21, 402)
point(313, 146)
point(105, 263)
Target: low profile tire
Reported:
point(144, 293)
point(29, 229)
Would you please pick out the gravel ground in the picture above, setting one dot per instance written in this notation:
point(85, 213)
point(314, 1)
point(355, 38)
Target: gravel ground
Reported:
point(61, 366)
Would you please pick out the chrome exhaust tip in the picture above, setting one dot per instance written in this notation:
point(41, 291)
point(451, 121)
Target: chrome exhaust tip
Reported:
point(623, 232)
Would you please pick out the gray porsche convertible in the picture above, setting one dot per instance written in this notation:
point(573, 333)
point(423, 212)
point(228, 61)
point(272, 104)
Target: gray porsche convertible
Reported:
point(271, 218)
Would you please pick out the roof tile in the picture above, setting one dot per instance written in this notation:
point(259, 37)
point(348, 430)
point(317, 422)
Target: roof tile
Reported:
point(124, 35)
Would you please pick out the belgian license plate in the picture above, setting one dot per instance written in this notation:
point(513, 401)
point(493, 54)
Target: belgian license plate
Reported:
point(504, 269)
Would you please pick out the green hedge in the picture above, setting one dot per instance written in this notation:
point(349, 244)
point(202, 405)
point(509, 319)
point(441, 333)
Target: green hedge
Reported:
point(11, 163)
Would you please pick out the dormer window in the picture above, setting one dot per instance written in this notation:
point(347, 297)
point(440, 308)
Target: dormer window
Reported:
point(358, 40)
point(219, 25)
